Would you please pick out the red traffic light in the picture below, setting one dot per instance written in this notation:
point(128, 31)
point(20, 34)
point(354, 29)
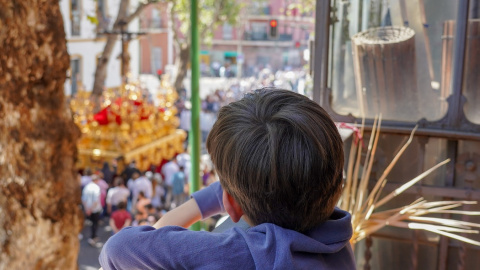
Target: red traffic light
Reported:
point(273, 23)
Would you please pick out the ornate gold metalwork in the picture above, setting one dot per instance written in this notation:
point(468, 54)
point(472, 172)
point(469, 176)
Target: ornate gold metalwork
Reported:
point(129, 125)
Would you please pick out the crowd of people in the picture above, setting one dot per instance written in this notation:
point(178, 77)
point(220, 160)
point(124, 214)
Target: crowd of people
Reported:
point(133, 197)
point(233, 90)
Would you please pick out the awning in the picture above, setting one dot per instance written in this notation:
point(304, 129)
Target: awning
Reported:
point(230, 54)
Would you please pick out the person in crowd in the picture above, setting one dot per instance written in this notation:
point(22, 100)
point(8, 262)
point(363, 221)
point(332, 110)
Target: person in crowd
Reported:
point(91, 199)
point(212, 177)
point(168, 170)
point(183, 159)
point(108, 174)
point(185, 119)
point(205, 176)
point(178, 184)
point(279, 158)
point(138, 219)
point(158, 191)
point(142, 184)
point(141, 221)
point(130, 170)
point(152, 214)
point(119, 193)
point(86, 177)
point(120, 218)
point(206, 122)
point(103, 190)
point(144, 222)
point(141, 203)
point(131, 186)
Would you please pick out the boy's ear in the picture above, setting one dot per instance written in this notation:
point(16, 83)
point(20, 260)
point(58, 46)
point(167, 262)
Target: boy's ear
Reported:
point(232, 207)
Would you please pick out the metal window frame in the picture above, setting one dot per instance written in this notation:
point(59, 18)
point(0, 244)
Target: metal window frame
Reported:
point(453, 125)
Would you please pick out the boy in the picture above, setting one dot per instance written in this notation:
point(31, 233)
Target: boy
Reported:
point(279, 159)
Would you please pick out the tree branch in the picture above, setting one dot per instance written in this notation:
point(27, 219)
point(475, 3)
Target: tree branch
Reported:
point(216, 19)
point(101, 21)
point(171, 11)
point(139, 10)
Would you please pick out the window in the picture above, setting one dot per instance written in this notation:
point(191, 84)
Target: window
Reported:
point(156, 59)
point(75, 74)
point(259, 31)
point(75, 17)
point(156, 22)
point(398, 59)
point(259, 8)
point(227, 31)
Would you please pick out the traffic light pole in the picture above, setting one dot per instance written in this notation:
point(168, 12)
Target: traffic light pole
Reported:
point(194, 136)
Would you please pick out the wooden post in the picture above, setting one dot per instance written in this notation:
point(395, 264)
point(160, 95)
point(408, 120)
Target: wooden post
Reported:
point(385, 72)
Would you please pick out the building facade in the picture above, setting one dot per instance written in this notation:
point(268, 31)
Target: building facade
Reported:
point(156, 47)
point(85, 43)
point(241, 50)
point(269, 34)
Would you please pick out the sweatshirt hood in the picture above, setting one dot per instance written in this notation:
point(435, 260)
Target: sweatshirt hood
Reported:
point(283, 248)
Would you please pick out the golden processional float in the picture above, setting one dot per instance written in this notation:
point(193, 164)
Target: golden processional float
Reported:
point(129, 125)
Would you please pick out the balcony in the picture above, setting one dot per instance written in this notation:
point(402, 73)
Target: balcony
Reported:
point(263, 36)
point(256, 10)
point(153, 24)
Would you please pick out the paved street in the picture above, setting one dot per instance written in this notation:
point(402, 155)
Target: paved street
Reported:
point(88, 255)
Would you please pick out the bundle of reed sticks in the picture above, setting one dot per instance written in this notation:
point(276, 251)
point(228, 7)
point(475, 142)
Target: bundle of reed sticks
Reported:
point(362, 203)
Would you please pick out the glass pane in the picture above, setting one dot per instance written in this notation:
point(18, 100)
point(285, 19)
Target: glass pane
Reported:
point(471, 85)
point(398, 63)
point(75, 75)
point(75, 17)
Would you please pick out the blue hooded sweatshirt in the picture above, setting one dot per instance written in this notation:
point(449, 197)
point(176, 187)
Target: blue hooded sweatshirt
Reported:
point(265, 246)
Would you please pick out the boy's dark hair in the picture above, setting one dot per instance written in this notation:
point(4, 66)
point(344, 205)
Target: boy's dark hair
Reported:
point(280, 156)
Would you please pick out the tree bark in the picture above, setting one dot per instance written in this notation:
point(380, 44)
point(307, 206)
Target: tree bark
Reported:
point(39, 193)
point(181, 62)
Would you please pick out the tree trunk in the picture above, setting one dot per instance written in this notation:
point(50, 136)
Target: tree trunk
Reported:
point(181, 62)
point(101, 70)
point(125, 59)
point(39, 193)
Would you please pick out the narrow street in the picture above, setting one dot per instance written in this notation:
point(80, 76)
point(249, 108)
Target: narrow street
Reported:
point(88, 255)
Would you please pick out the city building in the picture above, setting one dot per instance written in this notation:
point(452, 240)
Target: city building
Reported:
point(85, 42)
point(156, 47)
point(269, 34)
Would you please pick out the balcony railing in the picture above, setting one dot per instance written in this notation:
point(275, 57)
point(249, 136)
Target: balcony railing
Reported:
point(149, 24)
point(263, 36)
point(259, 10)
